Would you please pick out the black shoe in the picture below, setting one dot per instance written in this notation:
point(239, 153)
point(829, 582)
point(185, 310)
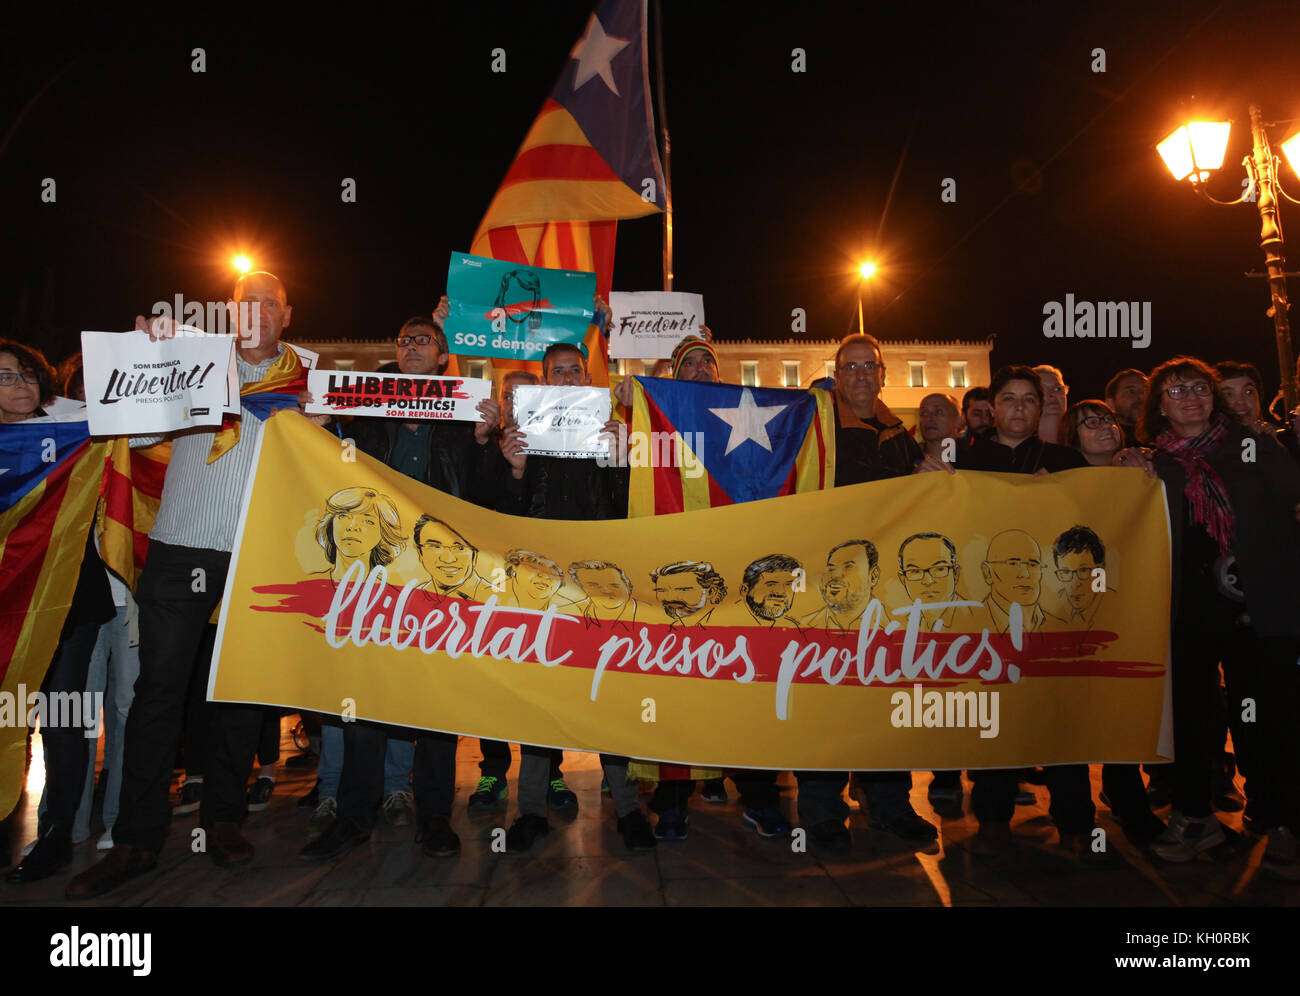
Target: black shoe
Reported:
point(190, 798)
point(259, 796)
point(311, 799)
point(307, 759)
point(52, 853)
point(635, 828)
point(832, 835)
point(438, 839)
point(525, 830)
point(339, 837)
point(910, 828)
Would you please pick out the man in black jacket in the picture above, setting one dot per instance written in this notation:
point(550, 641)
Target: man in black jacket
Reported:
point(460, 459)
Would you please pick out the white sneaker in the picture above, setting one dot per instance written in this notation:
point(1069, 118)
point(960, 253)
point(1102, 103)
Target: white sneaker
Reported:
point(29, 848)
point(1184, 838)
point(327, 810)
point(105, 843)
point(399, 809)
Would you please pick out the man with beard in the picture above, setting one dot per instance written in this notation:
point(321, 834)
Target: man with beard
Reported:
point(852, 571)
point(976, 412)
point(688, 591)
point(1126, 393)
point(768, 589)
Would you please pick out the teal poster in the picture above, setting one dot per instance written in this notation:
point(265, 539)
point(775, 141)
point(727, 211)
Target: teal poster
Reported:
point(512, 310)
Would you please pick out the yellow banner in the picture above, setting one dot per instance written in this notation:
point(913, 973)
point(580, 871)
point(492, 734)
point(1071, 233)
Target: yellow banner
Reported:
point(937, 621)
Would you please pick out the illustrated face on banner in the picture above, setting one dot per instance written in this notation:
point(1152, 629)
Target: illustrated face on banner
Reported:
point(683, 593)
point(448, 559)
point(772, 593)
point(356, 533)
point(849, 578)
point(929, 570)
point(536, 582)
point(1013, 568)
point(606, 588)
point(1078, 589)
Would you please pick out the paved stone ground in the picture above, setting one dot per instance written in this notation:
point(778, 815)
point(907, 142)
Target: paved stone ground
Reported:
point(583, 862)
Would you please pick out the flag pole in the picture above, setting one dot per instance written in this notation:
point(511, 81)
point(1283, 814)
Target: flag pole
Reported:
point(666, 143)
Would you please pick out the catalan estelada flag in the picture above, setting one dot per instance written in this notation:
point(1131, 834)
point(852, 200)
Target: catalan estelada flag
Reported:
point(133, 484)
point(699, 445)
point(589, 159)
point(50, 479)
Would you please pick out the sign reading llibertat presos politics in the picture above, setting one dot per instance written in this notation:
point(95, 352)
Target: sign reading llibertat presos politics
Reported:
point(563, 421)
point(136, 387)
point(647, 325)
point(344, 392)
point(513, 310)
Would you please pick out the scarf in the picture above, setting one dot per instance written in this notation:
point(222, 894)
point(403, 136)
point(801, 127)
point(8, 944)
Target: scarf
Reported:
point(279, 387)
point(1206, 494)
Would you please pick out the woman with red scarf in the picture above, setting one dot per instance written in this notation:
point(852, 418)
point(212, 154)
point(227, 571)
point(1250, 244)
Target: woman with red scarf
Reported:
point(1233, 499)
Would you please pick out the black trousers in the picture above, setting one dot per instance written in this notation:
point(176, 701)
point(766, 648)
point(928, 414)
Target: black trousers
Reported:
point(757, 788)
point(361, 785)
point(67, 748)
point(196, 735)
point(178, 590)
point(1196, 657)
point(993, 796)
point(1265, 672)
point(496, 759)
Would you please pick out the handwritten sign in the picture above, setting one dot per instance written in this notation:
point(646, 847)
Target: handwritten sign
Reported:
point(563, 421)
point(138, 387)
point(648, 324)
point(336, 392)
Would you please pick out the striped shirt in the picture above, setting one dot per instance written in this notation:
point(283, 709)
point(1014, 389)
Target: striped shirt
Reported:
point(201, 501)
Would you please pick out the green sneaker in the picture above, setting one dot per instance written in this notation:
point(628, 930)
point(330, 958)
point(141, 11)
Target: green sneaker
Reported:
point(560, 796)
point(490, 793)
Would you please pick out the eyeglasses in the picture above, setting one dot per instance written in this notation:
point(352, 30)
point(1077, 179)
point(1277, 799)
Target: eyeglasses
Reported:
point(1032, 566)
point(10, 378)
point(869, 366)
point(937, 572)
point(1201, 389)
point(1096, 421)
point(435, 545)
point(414, 340)
point(1067, 575)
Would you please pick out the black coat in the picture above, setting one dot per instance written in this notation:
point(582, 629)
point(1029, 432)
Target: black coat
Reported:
point(457, 465)
point(560, 488)
point(986, 453)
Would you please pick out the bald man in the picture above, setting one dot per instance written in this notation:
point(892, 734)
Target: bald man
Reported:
point(1013, 570)
point(937, 419)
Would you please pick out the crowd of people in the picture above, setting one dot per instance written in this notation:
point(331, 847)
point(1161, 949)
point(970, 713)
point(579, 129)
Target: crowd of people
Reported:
point(1232, 481)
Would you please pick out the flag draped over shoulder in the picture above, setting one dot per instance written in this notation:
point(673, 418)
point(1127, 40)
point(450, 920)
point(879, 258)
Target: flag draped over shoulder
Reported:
point(279, 387)
point(588, 160)
point(50, 479)
point(133, 483)
point(698, 445)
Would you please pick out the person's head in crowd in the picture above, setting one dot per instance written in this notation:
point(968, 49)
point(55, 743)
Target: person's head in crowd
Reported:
point(662, 368)
point(927, 567)
point(977, 410)
point(1017, 404)
point(938, 418)
point(1077, 553)
point(1183, 398)
point(565, 365)
point(535, 578)
point(852, 573)
point(360, 524)
point(508, 384)
point(273, 310)
point(859, 373)
point(421, 347)
point(72, 378)
point(1013, 568)
point(27, 381)
point(1056, 398)
point(602, 582)
point(1241, 386)
point(768, 585)
point(1092, 428)
point(447, 555)
point(1126, 392)
point(695, 359)
point(688, 587)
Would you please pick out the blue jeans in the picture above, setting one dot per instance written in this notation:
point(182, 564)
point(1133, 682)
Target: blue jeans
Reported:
point(399, 759)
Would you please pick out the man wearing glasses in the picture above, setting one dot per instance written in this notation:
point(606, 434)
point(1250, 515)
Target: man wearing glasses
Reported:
point(927, 567)
point(1013, 570)
point(1080, 561)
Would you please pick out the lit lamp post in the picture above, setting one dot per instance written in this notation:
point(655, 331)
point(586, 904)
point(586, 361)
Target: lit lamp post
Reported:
point(242, 263)
point(1194, 151)
point(866, 271)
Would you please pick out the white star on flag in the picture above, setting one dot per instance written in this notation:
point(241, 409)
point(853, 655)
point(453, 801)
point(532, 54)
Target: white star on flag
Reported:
point(748, 421)
point(594, 52)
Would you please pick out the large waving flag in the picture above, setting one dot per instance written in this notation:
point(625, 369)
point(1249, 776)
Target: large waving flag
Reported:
point(733, 444)
point(50, 479)
point(589, 159)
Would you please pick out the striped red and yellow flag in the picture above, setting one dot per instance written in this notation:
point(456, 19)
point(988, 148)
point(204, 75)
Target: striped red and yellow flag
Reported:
point(133, 483)
point(588, 160)
point(51, 474)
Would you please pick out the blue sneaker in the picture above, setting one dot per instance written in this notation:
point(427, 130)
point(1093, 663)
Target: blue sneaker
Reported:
point(490, 793)
point(768, 821)
point(673, 824)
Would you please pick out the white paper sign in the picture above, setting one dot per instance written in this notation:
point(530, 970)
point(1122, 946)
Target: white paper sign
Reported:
point(344, 392)
point(307, 357)
point(648, 324)
point(563, 421)
point(137, 387)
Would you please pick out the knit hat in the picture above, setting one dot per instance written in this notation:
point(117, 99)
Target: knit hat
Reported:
point(689, 344)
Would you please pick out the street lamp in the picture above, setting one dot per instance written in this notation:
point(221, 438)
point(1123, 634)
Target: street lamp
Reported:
point(866, 271)
point(1195, 150)
point(242, 263)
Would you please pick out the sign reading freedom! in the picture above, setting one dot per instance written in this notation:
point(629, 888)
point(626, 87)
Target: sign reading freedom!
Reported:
point(935, 621)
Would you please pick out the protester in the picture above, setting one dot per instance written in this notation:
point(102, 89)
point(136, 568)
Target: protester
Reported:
point(1126, 393)
point(1233, 519)
point(939, 422)
point(1092, 428)
point(1056, 398)
point(976, 413)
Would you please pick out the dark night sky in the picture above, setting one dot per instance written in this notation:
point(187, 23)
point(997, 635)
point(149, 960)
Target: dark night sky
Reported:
point(780, 178)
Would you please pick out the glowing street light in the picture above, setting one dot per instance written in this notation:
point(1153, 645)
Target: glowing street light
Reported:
point(866, 271)
point(242, 263)
point(1194, 151)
